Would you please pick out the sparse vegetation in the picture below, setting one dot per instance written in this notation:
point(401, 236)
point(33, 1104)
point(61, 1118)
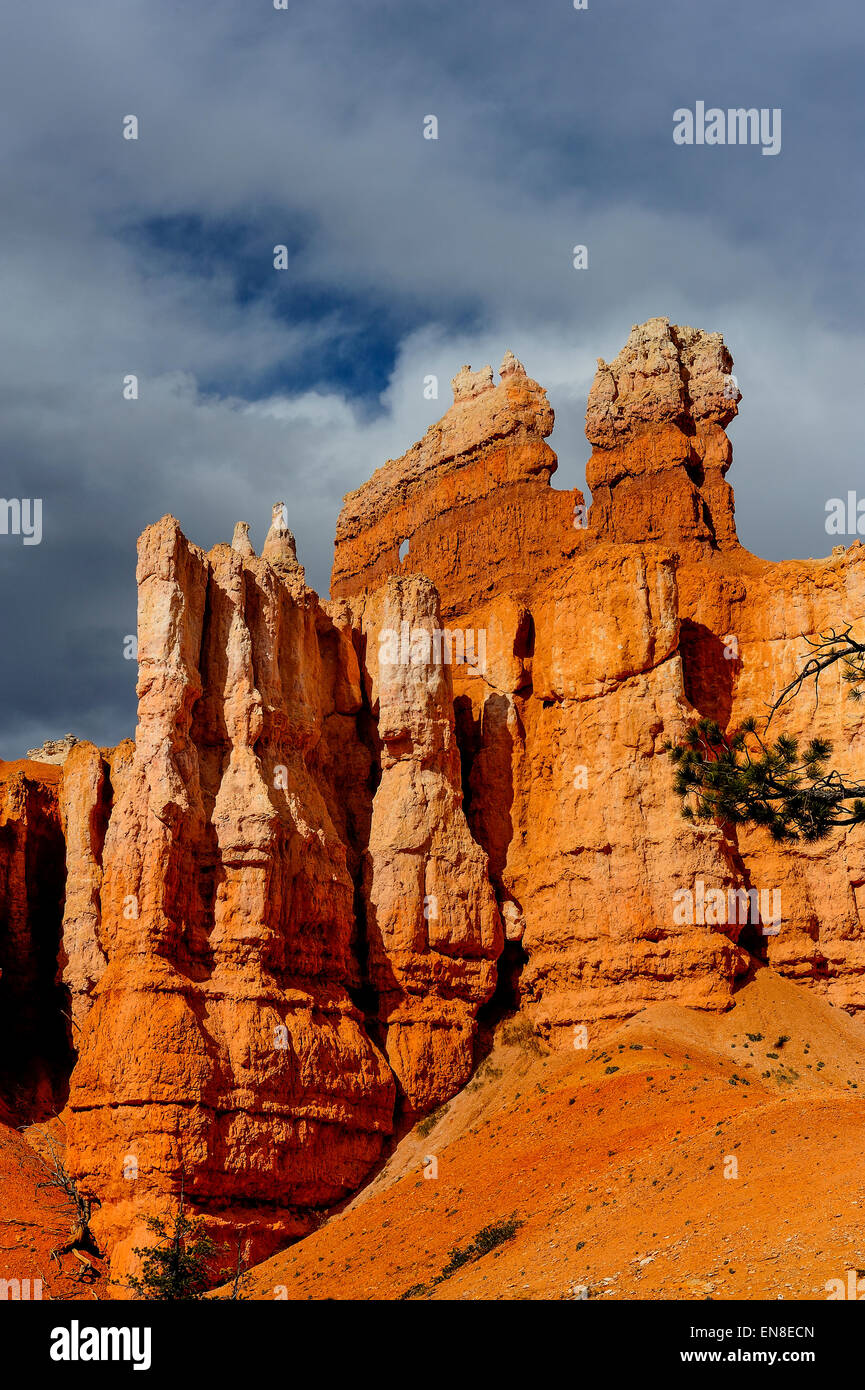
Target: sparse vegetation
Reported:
point(81, 1243)
point(521, 1034)
point(487, 1239)
point(488, 1071)
point(744, 779)
point(238, 1273)
point(177, 1266)
point(485, 1072)
point(426, 1126)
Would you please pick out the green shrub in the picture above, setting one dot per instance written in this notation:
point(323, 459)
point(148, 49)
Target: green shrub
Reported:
point(176, 1267)
point(486, 1240)
point(429, 1122)
point(521, 1034)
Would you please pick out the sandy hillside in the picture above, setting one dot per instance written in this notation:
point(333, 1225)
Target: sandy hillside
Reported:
point(604, 1169)
point(36, 1219)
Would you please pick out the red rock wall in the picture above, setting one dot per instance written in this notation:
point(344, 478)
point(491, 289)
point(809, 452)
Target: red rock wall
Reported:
point(222, 1046)
point(434, 930)
point(35, 1057)
point(600, 649)
point(472, 499)
point(289, 900)
point(217, 945)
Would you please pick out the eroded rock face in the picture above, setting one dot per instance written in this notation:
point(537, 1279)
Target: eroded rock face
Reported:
point(35, 1057)
point(221, 1045)
point(434, 931)
point(597, 857)
point(596, 653)
point(758, 613)
point(91, 780)
point(343, 825)
point(656, 418)
point(471, 498)
point(54, 750)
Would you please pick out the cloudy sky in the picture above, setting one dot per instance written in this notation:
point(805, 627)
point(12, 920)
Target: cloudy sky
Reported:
point(407, 256)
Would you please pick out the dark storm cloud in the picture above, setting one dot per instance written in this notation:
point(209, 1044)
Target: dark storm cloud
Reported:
point(406, 257)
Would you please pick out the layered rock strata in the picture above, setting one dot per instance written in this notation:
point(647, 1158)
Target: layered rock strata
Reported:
point(35, 1057)
point(434, 930)
point(215, 950)
point(347, 828)
point(598, 650)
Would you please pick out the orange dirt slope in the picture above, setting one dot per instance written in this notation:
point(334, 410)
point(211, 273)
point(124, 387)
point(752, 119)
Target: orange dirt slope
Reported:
point(612, 1160)
point(36, 1220)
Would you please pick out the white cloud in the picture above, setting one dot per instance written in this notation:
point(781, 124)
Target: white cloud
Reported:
point(306, 128)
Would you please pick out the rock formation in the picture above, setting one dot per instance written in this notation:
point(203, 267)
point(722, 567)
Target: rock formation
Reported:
point(434, 931)
point(346, 828)
point(54, 750)
point(472, 498)
point(602, 641)
point(240, 540)
point(279, 546)
point(34, 1044)
point(656, 418)
point(223, 1011)
point(91, 781)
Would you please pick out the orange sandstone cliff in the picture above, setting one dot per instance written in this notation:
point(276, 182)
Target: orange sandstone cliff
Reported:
point(34, 1049)
point(347, 830)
